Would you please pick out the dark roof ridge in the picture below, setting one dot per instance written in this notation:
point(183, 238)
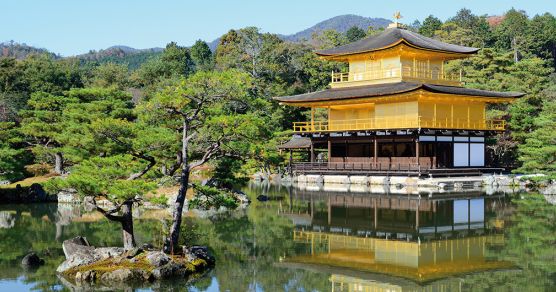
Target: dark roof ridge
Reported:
point(469, 91)
point(391, 37)
point(386, 89)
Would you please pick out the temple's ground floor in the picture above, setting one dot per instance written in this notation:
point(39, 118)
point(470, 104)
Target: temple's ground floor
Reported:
point(413, 152)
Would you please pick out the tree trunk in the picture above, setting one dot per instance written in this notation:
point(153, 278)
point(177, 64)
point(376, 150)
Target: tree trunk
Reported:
point(58, 163)
point(172, 242)
point(127, 225)
point(516, 52)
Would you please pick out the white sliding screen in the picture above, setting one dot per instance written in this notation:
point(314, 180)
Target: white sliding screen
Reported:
point(461, 154)
point(477, 157)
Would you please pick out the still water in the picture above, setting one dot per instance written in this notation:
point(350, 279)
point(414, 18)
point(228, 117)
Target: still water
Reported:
point(317, 240)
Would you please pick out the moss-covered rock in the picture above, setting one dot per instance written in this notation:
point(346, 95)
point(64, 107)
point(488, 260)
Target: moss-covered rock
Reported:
point(134, 266)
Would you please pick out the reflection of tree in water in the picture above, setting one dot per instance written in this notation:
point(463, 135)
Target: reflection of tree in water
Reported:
point(7, 220)
point(37, 228)
point(530, 238)
point(247, 246)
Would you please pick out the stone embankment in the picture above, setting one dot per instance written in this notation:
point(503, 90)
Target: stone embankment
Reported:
point(441, 183)
point(487, 180)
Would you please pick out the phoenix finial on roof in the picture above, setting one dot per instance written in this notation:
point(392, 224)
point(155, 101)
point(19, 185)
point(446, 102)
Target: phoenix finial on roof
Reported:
point(397, 16)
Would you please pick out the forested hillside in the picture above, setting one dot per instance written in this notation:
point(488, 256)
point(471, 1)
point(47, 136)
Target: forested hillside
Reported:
point(21, 50)
point(56, 114)
point(133, 58)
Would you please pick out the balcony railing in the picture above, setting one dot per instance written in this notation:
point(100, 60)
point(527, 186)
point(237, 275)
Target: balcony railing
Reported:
point(397, 123)
point(406, 72)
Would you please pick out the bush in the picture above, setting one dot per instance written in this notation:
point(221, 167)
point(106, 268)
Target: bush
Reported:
point(207, 197)
point(160, 200)
point(38, 169)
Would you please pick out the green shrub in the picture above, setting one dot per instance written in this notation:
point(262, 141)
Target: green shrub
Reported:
point(207, 197)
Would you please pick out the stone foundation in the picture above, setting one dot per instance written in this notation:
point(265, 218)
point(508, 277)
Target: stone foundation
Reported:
point(359, 182)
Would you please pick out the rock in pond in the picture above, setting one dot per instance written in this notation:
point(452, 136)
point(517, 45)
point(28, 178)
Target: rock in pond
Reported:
point(32, 260)
point(157, 258)
point(123, 275)
point(109, 266)
point(78, 252)
point(202, 252)
point(76, 244)
point(262, 198)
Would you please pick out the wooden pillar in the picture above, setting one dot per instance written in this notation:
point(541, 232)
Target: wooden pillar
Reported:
point(469, 214)
point(329, 211)
point(312, 208)
point(435, 215)
point(417, 151)
point(468, 115)
point(442, 69)
point(328, 126)
point(375, 159)
point(375, 211)
point(346, 153)
point(312, 152)
point(434, 117)
point(452, 115)
point(312, 118)
point(417, 217)
point(329, 150)
point(291, 162)
point(435, 151)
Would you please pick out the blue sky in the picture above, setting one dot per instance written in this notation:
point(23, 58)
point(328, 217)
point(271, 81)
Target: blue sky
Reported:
point(70, 27)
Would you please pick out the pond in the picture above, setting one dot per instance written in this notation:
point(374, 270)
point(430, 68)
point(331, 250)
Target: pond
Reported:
point(311, 239)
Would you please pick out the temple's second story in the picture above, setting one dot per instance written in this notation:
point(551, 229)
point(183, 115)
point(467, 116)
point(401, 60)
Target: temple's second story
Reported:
point(397, 80)
point(396, 55)
point(397, 108)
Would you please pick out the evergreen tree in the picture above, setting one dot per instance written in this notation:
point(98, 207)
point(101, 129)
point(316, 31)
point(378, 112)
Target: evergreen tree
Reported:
point(329, 38)
point(354, 34)
point(429, 26)
point(42, 126)
point(215, 117)
point(110, 178)
point(201, 56)
point(12, 154)
point(538, 153)
point(109, 75)
point(512, 34)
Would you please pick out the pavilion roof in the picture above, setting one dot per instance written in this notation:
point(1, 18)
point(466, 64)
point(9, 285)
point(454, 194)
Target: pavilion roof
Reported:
point(296, 143)
point(386, 89)
point(392, 37)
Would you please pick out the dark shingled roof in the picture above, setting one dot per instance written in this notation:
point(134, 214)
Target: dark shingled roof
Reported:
point(378, 90)
point(392, 36)
point(296, 143)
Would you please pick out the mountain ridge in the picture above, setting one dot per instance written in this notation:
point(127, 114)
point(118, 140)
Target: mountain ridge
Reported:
point(340, 23)
point(134, 57)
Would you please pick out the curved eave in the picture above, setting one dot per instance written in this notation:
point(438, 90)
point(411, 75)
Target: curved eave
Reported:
point(393, 45)
point(377, 92)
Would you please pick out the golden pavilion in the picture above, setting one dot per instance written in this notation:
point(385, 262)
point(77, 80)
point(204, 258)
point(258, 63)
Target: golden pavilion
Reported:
point(397, 109)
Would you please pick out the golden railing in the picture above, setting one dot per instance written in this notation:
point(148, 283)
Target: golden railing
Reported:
point(398, 123)
point(396, 72)
point(366, 75)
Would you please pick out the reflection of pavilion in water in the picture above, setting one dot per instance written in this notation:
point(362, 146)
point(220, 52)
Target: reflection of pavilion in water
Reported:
point(356, 237)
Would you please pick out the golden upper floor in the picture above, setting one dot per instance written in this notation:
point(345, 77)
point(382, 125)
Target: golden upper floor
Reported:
point(399, 105)
point(398, 80)
point(396, 55)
